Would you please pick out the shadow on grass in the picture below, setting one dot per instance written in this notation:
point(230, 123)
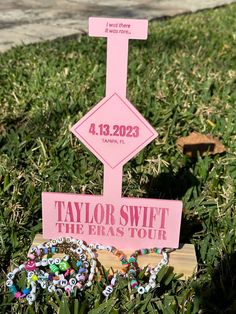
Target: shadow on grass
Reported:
point(219, 295)
point(174, 186)
point(170, 185)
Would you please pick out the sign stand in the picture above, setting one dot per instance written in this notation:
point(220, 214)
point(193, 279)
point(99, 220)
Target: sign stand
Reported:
point(114, 131)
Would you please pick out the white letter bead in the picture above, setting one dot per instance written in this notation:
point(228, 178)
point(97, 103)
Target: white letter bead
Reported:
point(33, 290)
point(56, 282)
point(60, 240)
point(66, 257)
point(72, 281)
point(94, 263)
point(30, 274)
point(68, 239)
point(147, 288)
point(10, 276)
point(93, 255)
point(44, 262)
point(30, 297)
point(43, 285)
point(79, 250)
point(59, 292)
point(61, 276)
point(105, 293)
point(152, 284)
point(68, 288)
point(141, 290)
point(16, 270)
point(113, 281)
point(9, 283)
point(57, 261)
point(51, 288)
point(22, 266)
point(50, 261)
point(109, 289)
point(83, 247)
point(63, 282)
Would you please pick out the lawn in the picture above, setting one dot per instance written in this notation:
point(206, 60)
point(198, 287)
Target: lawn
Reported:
point(182, 79)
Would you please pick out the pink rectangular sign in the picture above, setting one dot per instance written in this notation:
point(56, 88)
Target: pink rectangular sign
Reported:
point(127, 28)
point(131, 223)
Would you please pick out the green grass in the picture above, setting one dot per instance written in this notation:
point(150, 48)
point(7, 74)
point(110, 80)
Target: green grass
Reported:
point(183, 78)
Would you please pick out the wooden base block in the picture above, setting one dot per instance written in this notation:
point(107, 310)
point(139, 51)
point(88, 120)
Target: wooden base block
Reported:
point(183, 260)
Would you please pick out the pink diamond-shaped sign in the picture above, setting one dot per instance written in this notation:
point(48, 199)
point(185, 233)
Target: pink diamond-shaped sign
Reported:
point(114, 131)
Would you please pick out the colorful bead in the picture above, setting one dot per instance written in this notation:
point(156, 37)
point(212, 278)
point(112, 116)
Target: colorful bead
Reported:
point(79, 285)
point(64, 265)
point(53, 268)
point(30, 265)
point(144, 251)
point(67, 272)
point(34, 277)
point(81, 278)
point(132, 259)
point(13, 289)
point(82, 270)
point(17, 294)
point(133, 283)
point(26, 291)
point(78, 263)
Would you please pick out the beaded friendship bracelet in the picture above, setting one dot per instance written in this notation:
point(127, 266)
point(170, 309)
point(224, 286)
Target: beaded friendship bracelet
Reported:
point(71, 272)
point(76, 270)
point(130, 268)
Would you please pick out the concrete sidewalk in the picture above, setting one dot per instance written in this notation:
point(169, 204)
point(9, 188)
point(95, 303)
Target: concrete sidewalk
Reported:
point(30, 21)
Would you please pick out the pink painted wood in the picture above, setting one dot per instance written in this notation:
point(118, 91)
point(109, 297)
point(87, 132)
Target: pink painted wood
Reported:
point(114, 131)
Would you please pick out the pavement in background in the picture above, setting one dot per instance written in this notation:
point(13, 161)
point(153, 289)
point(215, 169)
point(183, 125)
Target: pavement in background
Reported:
point(30, 21)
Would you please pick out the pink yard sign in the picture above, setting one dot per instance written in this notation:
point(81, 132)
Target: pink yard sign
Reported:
point(114, 131)
point(124, 222)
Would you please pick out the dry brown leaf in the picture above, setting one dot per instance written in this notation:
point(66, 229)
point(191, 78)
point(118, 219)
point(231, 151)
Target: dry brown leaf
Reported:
point(196, 142)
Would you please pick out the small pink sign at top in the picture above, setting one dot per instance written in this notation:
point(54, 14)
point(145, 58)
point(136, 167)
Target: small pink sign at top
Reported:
point(107, 27)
